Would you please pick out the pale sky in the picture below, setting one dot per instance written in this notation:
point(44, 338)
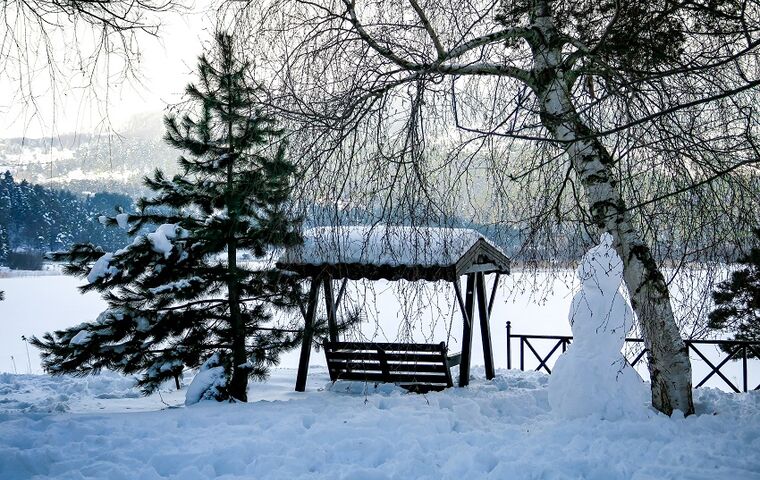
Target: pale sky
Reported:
point(165, 67)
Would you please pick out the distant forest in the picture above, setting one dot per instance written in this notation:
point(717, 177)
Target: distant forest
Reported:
point(34, 218)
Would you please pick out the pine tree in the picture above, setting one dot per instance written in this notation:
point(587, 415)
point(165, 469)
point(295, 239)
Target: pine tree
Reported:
point(5, 209)
point(737, 299)
point(179, 296)
point(5, 247)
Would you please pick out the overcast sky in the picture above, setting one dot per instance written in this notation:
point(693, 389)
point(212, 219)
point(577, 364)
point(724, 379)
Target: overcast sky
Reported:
point(165, 68)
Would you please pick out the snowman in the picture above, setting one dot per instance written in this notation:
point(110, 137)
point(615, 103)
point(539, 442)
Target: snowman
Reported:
point(593, 377)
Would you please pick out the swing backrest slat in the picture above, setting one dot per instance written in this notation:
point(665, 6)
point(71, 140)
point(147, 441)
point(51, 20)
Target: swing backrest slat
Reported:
point(418, 367)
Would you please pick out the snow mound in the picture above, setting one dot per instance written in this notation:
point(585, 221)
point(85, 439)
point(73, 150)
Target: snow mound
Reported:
point(593, 377)
point(207, 383)
point(364, 388)
point(122, 220)
point(45, 394)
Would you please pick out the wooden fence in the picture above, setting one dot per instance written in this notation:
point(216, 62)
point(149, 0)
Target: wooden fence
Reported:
point(740, 351)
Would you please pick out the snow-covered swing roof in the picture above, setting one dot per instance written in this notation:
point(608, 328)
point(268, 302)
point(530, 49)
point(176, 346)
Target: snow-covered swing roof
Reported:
point(397, 253)
point(394, 253)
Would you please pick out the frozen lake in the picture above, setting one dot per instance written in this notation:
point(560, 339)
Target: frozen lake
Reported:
point(395, 311)
point(35, 305)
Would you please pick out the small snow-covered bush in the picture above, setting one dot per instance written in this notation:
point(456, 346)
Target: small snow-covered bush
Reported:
point(210, 383)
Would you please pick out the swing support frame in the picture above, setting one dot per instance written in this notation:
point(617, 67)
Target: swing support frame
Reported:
point(481, 258)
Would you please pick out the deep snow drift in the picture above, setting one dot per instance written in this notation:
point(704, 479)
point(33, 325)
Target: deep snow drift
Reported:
point(502, 429)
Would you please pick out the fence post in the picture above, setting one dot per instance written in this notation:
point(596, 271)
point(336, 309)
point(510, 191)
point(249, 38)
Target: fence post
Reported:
point(509, 345)
point(744, 366)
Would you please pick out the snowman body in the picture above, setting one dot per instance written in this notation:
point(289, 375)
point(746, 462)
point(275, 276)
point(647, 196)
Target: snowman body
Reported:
point(593, 377)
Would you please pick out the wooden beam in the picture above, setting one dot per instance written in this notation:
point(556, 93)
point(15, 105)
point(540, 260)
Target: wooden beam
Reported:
point(460, 300)
point(468, 314)
point(485, 326)
point(308, 334)
point(493, 294)
point(302, 308)
point(482, 267)
point(341, 291)
point(384, 365)
point(332, 317)
point(300, 303)
point(445, 358)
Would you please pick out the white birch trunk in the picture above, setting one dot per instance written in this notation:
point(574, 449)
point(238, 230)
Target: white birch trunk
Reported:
point(669, 365)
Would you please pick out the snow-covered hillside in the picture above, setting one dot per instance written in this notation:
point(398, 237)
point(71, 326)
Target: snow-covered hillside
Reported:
point(97, 428)
point(88, 162)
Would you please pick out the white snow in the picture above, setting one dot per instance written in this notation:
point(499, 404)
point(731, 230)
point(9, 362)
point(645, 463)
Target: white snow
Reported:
point(382, 245)
point(593, 377)
point(170, 365)
point(122, 220)
point(178, 285)
point(21, 394)
point(204, 386)
point(98, 428)
point(143, 325)
point(161, 238)
point(82, 337)
point(204, 383)
point(116, 174)
point(101, 268)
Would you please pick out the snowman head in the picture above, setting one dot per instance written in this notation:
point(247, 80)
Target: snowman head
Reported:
point(601, 267)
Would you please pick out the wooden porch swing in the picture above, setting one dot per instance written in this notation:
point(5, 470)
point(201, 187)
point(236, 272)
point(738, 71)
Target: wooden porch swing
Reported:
point(397, 253)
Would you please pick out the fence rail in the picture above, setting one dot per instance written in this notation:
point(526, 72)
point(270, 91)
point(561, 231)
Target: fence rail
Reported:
point(732, 349)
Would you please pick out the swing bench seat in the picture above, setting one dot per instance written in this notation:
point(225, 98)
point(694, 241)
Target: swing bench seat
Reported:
point(417, 367)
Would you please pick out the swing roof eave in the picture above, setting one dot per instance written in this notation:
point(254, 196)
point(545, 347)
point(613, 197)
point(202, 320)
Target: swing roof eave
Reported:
point(393, 253)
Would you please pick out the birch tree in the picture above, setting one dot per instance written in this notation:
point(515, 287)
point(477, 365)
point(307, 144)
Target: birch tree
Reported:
point(48, 47)
point(613, 115)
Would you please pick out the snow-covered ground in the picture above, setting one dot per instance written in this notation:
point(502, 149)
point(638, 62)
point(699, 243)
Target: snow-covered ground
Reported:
point(69, 428)
point(100, 427)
